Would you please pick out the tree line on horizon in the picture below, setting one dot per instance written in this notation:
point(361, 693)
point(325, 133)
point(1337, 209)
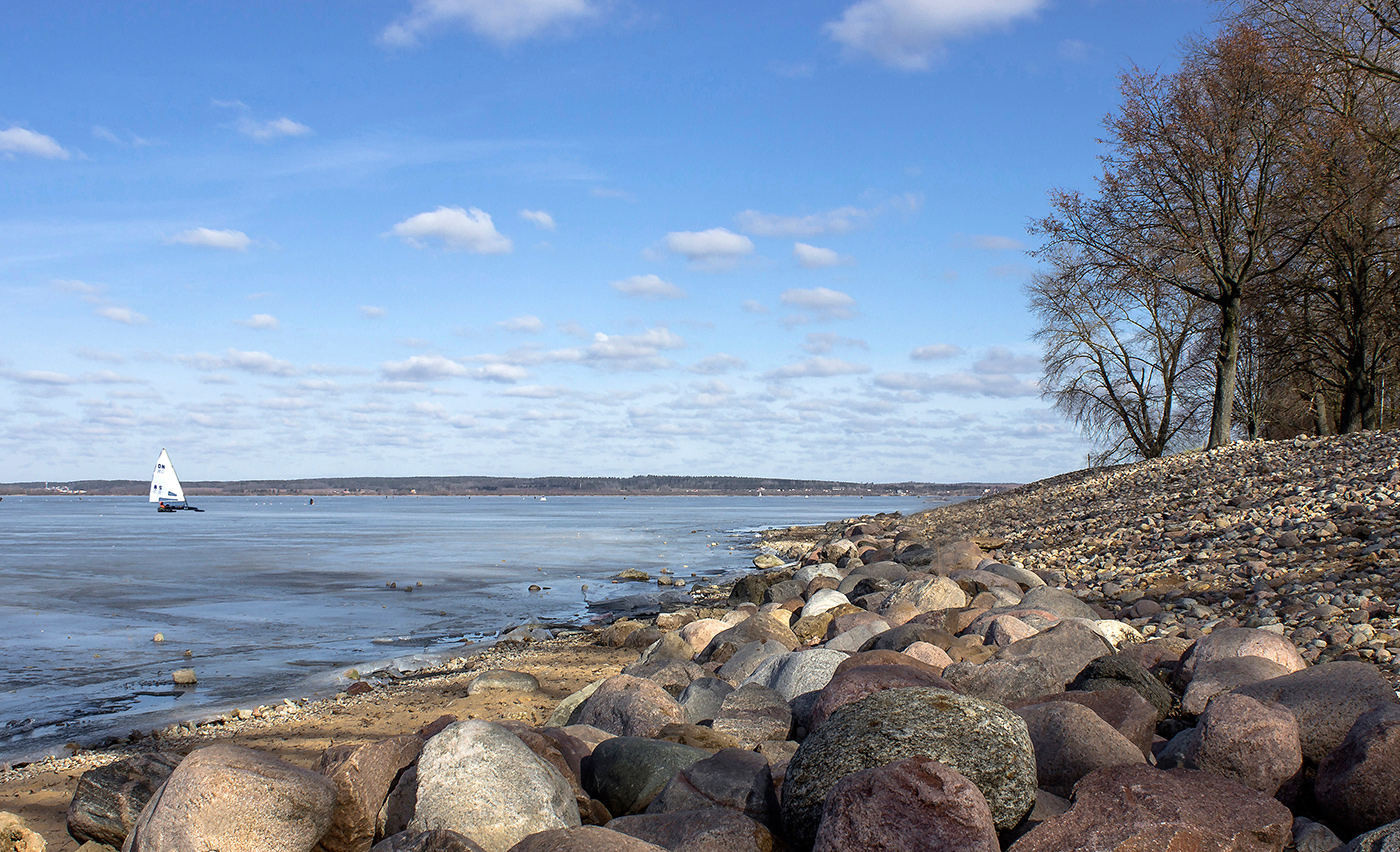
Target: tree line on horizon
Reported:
point(1236, 270)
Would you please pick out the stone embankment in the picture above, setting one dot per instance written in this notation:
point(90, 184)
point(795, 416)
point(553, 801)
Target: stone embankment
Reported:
point(1194, 653)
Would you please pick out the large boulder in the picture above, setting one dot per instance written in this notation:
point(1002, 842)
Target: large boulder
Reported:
point(1239, 642)
point(925, 594)
point(1358, 782)
point(797, 673)
point(1239, 738)
point(588, 838)
point(1212, 677)
point(1070, 742)
point(754, 713)
point(1068, 646)
point(733, 778)
point(707, 830)
point(703, 698)
point(1136, 807)
point(984, 741)
point(1125, 669)
point(746, 659)
point(1058, 601)
point(480, 780)
point(760, 627)
point(363, 774)
point(1123, 708)
point(108, 799)
point(235, 800)
point(437, 840)
point(1326, 698)
point(697, 634)
point(854, 684)
point(902, 805)
point(626, 773)
point(630, 707)
point(1006, 681)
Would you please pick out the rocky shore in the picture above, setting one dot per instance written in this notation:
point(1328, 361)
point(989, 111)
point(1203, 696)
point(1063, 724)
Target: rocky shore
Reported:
point(1197, 652)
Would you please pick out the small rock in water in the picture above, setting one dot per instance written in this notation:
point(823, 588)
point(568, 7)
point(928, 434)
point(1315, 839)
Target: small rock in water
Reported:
point(184, 676)
point(159, 637)
point(534, 588)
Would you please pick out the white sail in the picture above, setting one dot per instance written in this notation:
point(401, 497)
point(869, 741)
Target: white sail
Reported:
point(165, 485)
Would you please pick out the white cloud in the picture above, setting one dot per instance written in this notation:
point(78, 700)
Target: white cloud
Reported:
point(527, 324)
point(372, 312)
point(18, 140)
point(753, 306)
point(1001, 386)
point(648, 287)
point(717, 248)
point(457, 228)
point(73, 285)
point(228, 240)
point(264, 322)
point(423, 368)
point(837, 221)
point(817, 368)
point(534, 392)
point(40, 377)
point(505, 21)
point(936, 352)
point(822, 342)
point(271, 129)
point(909, 34)
point(993, 242)
point(814, 257)
point(503, 373)
point(717, 364)
point(98, 355)
point(824, 303)
point(541, 219)
point(260, 363)
point(122, 315)
point(1000, 360)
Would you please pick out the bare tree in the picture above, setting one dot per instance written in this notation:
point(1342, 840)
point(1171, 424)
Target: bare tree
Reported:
point(1195, 193)
point(1118, 354)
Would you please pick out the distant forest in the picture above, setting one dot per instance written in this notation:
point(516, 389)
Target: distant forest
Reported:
point(500, 485)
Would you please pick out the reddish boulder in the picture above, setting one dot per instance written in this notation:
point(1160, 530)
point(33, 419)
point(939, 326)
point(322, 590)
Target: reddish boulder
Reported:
point(363, 774)
point(1070, 742)
point(854, 684)
point(1138, 808)
point(1358, 782)
point(901, 805)
point(630, 707)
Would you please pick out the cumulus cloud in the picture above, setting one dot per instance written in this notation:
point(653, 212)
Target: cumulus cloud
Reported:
point(716, 364)
point(936, 352)
point(20, 140)
point(822, 342)
point(1001, 386)
point(821, 303)
point(39, 377)
point(262, 322)
point(541, 219)
point(818, 367)
point(837, 221)
point(993, 242)
point(507, 374)
point(813, 257)
point(504, 22)
point(423, 368)
point(632, 351)
point(527, 324)
point(260, 363)
point(909, 34)
point(126, 316)
point(651, 287)
point(228, 240)
point(717, 248)
point(472, 230)
point(275, 128)
point(534, 392)
point(1001, 360)
point(372, 312)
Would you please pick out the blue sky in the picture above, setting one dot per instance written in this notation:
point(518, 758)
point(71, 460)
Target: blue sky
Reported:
point(526, 237)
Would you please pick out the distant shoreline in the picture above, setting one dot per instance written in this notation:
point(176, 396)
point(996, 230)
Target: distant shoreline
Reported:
point(553, 486)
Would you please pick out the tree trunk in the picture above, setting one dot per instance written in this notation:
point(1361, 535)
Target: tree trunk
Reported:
point(1226, 360)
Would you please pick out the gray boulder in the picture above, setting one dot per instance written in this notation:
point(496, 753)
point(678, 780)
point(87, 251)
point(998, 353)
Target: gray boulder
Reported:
point(754, 713)
point(702, 699)
point(747, 658)
point(708, 830)
point(797, 673)
point(733, 778)
point(1212, 677)
point(108, 799)
point(588, 838)
point(1070, 742)
point(1239, 738)
point(626, 773)
point(478, 779)
point(903, 805)
point(1062, 603)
